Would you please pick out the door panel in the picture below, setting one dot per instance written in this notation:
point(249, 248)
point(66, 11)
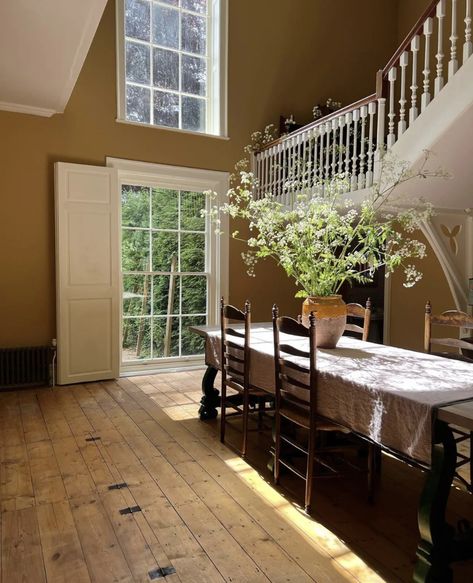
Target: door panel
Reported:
point(87, 273)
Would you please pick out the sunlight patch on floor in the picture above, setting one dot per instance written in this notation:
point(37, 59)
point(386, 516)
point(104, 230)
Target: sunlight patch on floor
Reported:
point(315, 533)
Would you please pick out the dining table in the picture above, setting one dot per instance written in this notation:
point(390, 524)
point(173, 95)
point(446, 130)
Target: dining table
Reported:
point(406, 402)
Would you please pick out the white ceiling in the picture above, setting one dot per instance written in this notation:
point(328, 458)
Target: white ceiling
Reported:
point(43, 45)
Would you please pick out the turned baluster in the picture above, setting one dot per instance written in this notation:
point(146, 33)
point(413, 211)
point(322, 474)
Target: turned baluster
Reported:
point(334, 146)
point(428, 28)
point(328, 131)
point(280, 173)
point(380, 146)
point(369, 172)
point(348, 120)
point(441, 12)
point(257, 173)
point(356, 119)
point(308, 159)
point(392, 76)
point(468, 46)
point(402, 125)
point(266, 172)
point(321, 154)
point(361, 175)
point(453, 64)
point(341, 125)
point(316, 159)
point(413, 111)
point(274, 157)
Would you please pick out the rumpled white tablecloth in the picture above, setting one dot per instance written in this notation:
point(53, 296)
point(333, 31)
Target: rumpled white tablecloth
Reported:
point(387, 394)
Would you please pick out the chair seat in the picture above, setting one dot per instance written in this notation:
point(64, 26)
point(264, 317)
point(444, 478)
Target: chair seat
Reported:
point(300, 414)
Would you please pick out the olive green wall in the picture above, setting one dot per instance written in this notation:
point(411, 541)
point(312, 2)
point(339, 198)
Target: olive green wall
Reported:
point(284, 56)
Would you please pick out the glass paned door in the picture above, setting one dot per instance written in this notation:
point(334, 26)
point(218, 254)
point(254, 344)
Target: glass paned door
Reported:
point(165, 273)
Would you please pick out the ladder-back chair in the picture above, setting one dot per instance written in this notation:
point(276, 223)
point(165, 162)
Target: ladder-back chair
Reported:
point(235, 363)
point(453, 319)
point(296, 411)
point(360, 313)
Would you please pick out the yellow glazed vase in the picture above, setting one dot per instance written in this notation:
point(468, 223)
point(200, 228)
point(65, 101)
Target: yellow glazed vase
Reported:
point(331, 318)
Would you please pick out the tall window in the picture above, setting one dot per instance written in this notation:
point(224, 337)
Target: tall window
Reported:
point(174, 265)
point(171, 63)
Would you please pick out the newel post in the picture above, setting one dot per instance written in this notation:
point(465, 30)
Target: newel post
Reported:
point(381, 124)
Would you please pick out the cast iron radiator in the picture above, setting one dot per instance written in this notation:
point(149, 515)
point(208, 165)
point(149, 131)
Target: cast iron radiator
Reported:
point(22, 367)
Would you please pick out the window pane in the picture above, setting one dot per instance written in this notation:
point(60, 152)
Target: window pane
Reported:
point(192, 252)
point(166, 338)
point(136, 338)
point(194, 34)
point(137, 63)
point(194, 75)
point(166, 109)
point(165, 26)
point(166, 69)
point(137, 19)
point(171, 2)
point(137, 104)
point(193, 114)
point(165, 247)
point(135, 250)
point(161, 290)
point(192, 203)
point(135, 206)
point(165, 208)
point(136, 295)
point(194, 294)
point(195, 5)
point(191, 343)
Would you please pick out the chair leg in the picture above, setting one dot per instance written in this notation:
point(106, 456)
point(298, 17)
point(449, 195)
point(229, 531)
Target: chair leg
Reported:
point(223, 404)
point(378, 459)
point(372, 453)
point(310, 471)
point(246, 412)
point(471, 462)
point(277, 447)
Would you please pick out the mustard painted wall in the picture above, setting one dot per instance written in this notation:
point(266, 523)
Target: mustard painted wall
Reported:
point(284, 56)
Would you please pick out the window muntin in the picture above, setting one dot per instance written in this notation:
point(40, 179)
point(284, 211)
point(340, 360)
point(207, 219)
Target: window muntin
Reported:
point(172, 64)
point(165, 272)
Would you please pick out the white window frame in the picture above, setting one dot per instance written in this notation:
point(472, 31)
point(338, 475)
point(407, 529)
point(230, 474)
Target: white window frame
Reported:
point(217, 72)
point(194, 180)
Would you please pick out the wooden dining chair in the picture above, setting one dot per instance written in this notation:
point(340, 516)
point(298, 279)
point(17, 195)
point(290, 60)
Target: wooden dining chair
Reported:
point(235, 353)
point(300, 411)
point(358, 312)
point(453, 319)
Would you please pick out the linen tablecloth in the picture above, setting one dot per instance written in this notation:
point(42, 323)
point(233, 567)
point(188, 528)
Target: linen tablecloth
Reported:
point(385, 393)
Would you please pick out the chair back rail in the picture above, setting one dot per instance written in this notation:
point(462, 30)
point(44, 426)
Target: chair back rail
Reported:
point(449, 318)
point(363, 313)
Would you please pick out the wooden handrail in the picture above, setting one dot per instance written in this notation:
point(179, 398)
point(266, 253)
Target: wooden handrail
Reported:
point(416, 29)
point(322, 120)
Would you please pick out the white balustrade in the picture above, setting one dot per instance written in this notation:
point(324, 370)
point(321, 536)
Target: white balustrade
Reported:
point(441, 13)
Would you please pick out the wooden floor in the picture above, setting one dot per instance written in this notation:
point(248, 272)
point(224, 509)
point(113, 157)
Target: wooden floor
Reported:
point(204, 511)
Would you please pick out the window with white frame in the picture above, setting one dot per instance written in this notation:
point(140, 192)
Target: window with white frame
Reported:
point(172, 59)
point(174, 265)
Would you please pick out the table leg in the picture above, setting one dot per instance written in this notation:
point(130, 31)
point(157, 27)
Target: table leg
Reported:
point(434, 552)
point(211, 396)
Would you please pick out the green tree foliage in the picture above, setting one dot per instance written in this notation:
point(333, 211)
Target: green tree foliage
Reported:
point(163, 231)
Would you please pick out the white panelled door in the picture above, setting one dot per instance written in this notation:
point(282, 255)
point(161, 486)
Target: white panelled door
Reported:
point(87, 273)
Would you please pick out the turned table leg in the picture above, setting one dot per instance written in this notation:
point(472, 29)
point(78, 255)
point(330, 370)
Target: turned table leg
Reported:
point(211, 397)
point(434, 552)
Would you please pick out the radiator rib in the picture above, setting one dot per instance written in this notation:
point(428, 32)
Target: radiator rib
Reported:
point(23, 367)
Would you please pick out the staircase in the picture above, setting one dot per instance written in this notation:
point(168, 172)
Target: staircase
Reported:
point(423, 101)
